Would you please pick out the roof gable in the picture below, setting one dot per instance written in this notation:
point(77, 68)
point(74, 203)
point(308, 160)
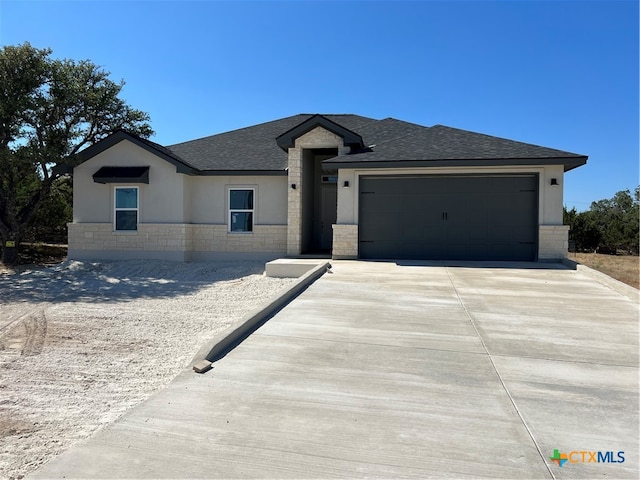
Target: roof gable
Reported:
point(154, 148)
point(287, 139)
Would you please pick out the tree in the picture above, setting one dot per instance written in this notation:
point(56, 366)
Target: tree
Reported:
point(50, 110)
point(617, 220)
point(582, 229)
point(50, 221)
point(613, 222)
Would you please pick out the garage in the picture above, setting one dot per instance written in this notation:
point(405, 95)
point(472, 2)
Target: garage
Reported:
point(432, 217)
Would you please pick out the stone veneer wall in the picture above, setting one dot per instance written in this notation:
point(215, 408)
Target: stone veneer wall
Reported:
point(316, 138)
point(345, 242)
point(294, 203)
point(181, 241)
point(553, 242)
point(216, 238)
point(176, 241)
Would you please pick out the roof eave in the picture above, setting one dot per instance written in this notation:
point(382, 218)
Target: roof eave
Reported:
point(344, 162)
point(577, 162)
point(242, 173)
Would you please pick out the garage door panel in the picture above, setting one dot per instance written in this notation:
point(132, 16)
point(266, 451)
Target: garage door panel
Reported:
point(383, 204)
point(411, 250)
point(471, 218)
point(457, 234)
point(478, 234)
point(505, 234)
point(500, 252)
point(477, 211)
point(433, 234)
point(511, 251)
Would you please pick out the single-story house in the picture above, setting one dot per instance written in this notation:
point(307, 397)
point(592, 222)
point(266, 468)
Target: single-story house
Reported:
point(341, 185)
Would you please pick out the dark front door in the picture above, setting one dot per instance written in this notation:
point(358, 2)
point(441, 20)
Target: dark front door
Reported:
point(328, 214)
point(319, 201)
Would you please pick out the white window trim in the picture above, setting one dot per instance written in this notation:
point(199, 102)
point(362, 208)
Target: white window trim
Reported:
point(116, 209)
point(231, 188)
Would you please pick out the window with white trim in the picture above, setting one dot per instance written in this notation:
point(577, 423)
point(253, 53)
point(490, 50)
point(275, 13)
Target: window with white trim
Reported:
point(125, 217)
point(241, 210)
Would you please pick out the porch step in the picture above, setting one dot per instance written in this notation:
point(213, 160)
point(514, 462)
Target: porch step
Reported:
point(292, 267)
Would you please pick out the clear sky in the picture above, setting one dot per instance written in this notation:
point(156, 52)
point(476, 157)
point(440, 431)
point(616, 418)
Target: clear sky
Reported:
point(562, 74)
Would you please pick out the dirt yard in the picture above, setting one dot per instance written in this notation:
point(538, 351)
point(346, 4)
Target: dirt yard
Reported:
point(625, 268)
point(82, 343)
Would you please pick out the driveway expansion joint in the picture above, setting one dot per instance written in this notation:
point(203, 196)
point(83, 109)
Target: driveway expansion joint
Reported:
point(495, 369)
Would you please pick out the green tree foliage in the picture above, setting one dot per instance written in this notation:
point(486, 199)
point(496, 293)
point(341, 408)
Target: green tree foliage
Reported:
point(50, 221)
point(49, 111)
point(614, 222)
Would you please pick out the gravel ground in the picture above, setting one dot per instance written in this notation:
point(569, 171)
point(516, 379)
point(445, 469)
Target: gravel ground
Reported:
point(81, 343)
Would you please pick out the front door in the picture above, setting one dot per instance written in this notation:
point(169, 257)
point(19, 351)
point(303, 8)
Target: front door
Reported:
point(319, 201)
point(328, 214)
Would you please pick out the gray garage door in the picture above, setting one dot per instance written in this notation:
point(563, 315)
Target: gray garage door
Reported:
point(454, 217)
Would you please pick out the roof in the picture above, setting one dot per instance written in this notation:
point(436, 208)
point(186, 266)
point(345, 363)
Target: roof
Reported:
point(262, 149)
point(402, 144)
point(252, 148)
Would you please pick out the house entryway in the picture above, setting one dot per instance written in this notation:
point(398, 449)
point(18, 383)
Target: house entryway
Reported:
point(319, 201)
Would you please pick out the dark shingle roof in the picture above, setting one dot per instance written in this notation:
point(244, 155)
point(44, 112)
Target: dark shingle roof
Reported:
point(251, 148)
point(388, 130)
point(385, 143)
point(401, 144)
point(445, 143)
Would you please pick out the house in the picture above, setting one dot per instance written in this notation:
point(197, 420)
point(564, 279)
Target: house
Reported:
point(344, 185)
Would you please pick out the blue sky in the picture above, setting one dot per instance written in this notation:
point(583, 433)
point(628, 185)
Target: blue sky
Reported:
point(562, 74)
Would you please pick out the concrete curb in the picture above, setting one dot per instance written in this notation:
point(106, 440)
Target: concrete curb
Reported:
point(620, 287)
point(219, 346)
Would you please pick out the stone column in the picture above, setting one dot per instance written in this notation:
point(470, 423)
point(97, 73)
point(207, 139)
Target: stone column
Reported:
point(553, 242)
point(294, 214)
point(345, 242)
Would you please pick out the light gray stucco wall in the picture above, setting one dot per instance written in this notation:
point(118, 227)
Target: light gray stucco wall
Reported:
point(552, 195)
point(208, 198)
point(181, 217)
point(161, 201)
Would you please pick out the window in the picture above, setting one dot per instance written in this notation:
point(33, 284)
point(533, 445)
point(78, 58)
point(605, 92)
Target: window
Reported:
point(241, 210)
point(126, 211)
point(329, 179)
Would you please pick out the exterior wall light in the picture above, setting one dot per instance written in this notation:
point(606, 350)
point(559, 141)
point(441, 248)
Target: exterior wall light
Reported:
point(345, 184)
point(293, 186)
point(554, 181)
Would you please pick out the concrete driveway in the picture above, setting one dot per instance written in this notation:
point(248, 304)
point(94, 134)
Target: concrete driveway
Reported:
point(401, 370)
